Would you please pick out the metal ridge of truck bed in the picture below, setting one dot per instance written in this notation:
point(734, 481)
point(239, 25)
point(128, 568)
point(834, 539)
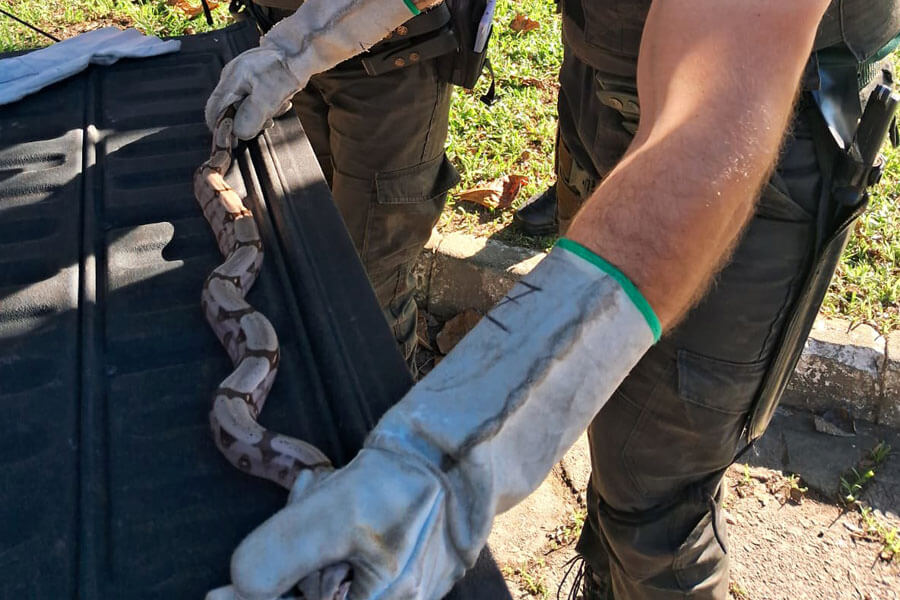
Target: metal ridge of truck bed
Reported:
point(110, 485)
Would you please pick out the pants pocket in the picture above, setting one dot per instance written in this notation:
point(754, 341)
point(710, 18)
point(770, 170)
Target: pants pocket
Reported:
point(407, 205)
point(689, 433)
point(718, 395)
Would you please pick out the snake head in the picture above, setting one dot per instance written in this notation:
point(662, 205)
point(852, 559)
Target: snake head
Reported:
point(331, 583)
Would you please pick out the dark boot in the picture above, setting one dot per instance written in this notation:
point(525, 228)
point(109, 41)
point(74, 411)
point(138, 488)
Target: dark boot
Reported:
point(538, 216)
point(594, 587)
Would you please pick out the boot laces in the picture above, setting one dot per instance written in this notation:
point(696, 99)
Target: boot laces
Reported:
point(574, 566)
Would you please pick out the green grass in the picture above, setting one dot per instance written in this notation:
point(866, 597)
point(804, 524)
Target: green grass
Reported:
point(516, 134)
point(867, 285)
point(64, 18)
point(513, 136)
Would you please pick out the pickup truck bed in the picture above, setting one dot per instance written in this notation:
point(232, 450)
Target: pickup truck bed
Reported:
point(110, 485)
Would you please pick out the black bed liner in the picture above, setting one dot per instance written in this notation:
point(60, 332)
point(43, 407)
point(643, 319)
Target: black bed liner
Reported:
point(110, 486)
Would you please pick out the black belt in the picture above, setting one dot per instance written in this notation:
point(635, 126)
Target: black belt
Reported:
point(426, 36)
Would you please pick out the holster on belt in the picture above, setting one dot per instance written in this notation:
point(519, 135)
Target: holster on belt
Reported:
point(849, 168)
point(574, 185)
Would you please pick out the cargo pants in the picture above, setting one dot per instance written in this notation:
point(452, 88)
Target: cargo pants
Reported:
point(660, 445)
point(380, 143)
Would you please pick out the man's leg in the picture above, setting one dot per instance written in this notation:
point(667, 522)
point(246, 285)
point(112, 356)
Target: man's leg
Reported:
point(660, 445)
point(381, 142)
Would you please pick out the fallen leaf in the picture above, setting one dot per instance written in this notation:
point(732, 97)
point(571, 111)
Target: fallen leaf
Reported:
point(499, 193)
point(456, 328)
point(486, 195)
point(188, 8)
point(541, 84)
point(523, 24)
point(512, 185)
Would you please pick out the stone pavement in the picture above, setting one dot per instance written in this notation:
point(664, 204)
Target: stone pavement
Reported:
point(793, 445)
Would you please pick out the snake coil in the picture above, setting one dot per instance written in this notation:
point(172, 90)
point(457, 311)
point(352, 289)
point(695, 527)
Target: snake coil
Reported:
point(251, 343)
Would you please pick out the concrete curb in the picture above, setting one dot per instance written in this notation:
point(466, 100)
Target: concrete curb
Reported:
point(842, 366)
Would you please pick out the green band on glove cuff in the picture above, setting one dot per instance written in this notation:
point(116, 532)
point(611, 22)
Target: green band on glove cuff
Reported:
point(412, 7)
point(629, 288)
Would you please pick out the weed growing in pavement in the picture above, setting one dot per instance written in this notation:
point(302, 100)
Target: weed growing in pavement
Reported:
point(567, 533)
point(531, 584)
point(854, 482)
point(873, 529)
point(743, 486)
point(737, 592)
point(852, 486)
point(879, 453)
point(794, 490)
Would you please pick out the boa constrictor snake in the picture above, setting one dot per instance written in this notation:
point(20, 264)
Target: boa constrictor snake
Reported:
point(251, 343)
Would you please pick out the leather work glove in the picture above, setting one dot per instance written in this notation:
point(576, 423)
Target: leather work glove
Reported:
point(318, 36)
point(412, 511)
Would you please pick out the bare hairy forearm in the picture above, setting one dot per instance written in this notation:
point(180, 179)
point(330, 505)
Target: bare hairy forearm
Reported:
point(426, 4)
point(717, 81)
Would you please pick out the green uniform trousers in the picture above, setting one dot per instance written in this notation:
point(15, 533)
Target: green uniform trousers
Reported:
point(380, 143)
point(660, 445)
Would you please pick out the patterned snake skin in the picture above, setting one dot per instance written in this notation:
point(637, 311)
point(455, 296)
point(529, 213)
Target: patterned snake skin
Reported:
point(252, 345)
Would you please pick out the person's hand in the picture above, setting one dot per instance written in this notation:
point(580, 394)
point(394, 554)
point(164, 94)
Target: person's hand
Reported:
point(385, 513)
point(318, 36)
point(260, 84)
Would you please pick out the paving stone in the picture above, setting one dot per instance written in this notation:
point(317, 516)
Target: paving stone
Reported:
point(890, 401)
point(840, 367)
point(792, 445)
point(468, 272)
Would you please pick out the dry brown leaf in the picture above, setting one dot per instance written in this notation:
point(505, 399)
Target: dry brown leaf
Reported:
point(523, 24)
point(540, 84)
point(486, 195)
point(456, 328)
point(499, 193)
point(189, 8)
point(512, 185)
